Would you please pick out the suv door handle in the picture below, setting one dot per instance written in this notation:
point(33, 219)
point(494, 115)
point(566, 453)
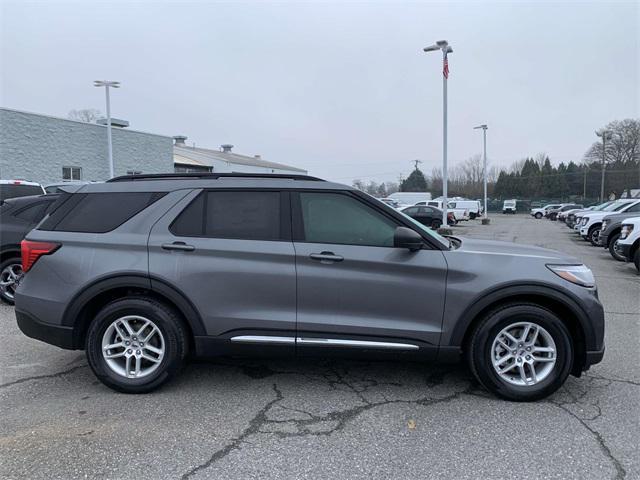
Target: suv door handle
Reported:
point(178, 246)
point(326, 257)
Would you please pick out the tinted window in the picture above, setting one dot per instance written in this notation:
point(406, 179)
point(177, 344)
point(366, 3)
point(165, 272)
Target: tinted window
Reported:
point(190, 223)
point(32, 213)
point(341, 219)
point(9, 190)
point(243, 215)
point(411, 211)
point(98, 212)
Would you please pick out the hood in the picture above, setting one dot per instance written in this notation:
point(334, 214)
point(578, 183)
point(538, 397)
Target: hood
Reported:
point(493, 247)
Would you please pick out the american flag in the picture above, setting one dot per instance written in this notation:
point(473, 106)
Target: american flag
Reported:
point(445, 67)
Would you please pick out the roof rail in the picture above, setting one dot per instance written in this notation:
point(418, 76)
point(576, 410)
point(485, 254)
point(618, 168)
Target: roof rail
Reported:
point(209, 175)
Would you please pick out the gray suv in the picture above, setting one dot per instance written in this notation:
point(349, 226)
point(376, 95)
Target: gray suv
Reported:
point(143, 271)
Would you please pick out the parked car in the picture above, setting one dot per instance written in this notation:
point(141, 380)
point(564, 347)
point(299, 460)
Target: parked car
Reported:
point(428, 216)
point(592, 221)
point(218, 264)
point(558, 214)
point(19, 188)
point(540, 212)
point(574, 220)
point(629, 243)
point(610, 233)
point(509, 206)
point(460, 214)
point(17, 216)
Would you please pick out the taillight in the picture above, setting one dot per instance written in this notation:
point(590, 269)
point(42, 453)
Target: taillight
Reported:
point(32, 251)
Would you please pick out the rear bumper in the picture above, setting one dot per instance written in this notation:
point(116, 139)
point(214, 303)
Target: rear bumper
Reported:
point(58, 335)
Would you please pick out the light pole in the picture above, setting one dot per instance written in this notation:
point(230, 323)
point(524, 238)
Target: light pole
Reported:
point(484, 165)
point(446, 49)
point(106, 84)
point(605, 135)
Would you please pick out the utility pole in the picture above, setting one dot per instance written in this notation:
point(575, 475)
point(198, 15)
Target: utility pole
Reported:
point(106, 84)
point(416, 162)
point(484, 162)
point(605, 135)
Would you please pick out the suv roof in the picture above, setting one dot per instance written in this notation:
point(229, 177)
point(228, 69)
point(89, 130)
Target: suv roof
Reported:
point(209, 175)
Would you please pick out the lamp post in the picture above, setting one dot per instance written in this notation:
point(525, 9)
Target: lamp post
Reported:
point(484, 164)
point(106, 84)
point(444, 46)
point(605, 135)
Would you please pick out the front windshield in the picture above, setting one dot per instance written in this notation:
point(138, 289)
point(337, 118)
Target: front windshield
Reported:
point(602, 206)
point(614, 207)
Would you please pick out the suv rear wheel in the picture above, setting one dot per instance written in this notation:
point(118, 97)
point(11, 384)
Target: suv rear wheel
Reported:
point(520, 352)
point(10, 272)
point(136, 344)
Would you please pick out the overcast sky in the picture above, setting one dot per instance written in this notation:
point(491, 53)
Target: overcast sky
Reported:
point(341, 89)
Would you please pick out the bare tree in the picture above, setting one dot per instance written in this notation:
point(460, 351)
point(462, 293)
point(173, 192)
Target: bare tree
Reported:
point(88, 115)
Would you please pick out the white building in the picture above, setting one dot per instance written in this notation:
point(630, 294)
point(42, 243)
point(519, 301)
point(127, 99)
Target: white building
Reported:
point(192, 159)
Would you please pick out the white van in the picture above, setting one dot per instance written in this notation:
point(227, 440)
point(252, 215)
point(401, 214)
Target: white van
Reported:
point(410, 198)
point(473, 206)
point(459, 213)
point(509, 206)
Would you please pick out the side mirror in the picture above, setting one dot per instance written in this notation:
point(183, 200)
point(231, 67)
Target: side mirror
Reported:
point(406, 238)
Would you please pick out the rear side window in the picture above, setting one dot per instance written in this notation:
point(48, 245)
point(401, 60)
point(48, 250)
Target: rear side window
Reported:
point(10, 190)
point(245, 215)
point(32, 213)
point(98, 212)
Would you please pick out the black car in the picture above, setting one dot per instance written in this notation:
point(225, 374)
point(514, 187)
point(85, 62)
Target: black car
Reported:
point(552, 214)
point(17, 217)
point(428, 216)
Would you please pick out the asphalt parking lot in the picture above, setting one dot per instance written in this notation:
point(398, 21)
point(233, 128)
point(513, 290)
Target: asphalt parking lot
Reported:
point(330, 418)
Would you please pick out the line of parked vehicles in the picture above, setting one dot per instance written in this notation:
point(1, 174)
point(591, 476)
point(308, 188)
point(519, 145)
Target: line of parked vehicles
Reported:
point(612, 225)
point(429, 212)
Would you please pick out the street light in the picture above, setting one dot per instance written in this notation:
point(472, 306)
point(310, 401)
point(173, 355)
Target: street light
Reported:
point(484, 168)
point(106, 84)
point(605, 135)
point(444, 46)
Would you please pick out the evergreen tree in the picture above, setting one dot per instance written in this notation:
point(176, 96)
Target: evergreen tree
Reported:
point(416, 182)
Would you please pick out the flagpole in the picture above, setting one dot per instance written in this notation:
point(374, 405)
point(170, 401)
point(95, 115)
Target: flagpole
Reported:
point(445, 203)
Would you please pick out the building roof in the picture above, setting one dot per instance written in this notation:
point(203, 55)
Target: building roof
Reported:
point(185, 155)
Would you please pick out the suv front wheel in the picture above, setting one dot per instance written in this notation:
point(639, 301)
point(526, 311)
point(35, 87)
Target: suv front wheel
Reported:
point(136, 344)
point(521, 352)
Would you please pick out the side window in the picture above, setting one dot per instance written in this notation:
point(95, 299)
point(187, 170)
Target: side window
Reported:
point(411, 211)
point(243, 215)
point(341, 219)
point(32, 213)
point(635, 208)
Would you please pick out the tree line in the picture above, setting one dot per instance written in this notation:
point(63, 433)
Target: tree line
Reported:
point(538, 177)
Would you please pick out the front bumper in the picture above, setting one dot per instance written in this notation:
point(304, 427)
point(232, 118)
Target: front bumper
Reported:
point(625, 249)
point(58, 335)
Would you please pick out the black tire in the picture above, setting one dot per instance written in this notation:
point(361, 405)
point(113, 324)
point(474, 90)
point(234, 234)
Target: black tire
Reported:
point(6, 293)
point(436, 224)
point(478, 351)
point(636, 259)
point(170, 324)
point(472, 216)
point(612, 250)
point(592, 236)
point(538, 215)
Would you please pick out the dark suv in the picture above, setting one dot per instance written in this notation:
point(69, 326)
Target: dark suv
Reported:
point(18, 215)
point(142, 271)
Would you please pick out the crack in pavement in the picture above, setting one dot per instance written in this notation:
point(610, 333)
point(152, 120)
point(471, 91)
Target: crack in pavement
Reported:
point(340, 418)
point(577, 399)
point(38, 377)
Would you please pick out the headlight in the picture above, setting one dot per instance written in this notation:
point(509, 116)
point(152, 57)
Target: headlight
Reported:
point(626, 231)
point(578, 274)
point(585, 220)
point(604, 225)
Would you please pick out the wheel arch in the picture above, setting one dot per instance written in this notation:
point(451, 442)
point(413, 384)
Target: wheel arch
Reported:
point(561, 304)
point(87, 303)
point(10, 252)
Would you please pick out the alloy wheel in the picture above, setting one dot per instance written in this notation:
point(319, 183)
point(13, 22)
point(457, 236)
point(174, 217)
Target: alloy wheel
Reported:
point(133, 346)
point(523, 354)
point(9, 278)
